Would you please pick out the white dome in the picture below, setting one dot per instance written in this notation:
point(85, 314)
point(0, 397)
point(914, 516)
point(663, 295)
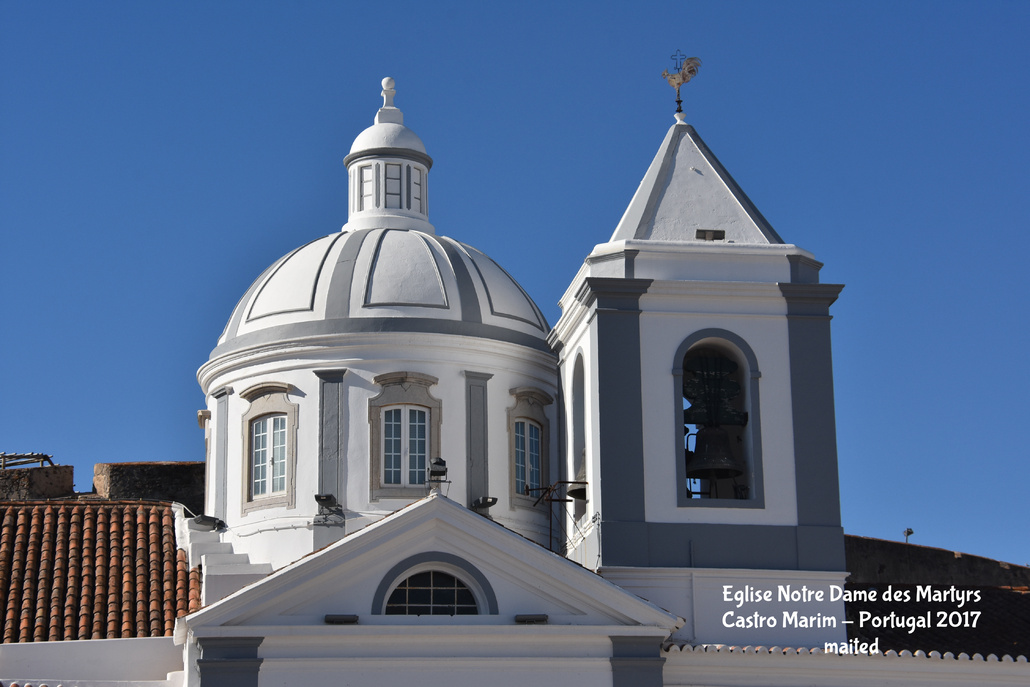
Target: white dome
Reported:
point(383, 280)
point(387, 135)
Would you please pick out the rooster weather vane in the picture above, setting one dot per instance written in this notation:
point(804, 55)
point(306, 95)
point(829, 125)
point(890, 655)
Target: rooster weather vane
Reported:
point(686, 69)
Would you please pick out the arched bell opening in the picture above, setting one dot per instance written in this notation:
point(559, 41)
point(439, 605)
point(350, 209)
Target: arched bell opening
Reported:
point(714, 417)
point(716, 391)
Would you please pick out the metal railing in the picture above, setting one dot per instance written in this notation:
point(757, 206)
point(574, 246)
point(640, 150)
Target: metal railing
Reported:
point(16, 460)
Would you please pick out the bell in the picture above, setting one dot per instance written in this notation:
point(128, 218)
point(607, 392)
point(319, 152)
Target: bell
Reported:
point(578, 491)
point(712, 458)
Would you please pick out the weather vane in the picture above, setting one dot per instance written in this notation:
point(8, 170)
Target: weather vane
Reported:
point(686, 69)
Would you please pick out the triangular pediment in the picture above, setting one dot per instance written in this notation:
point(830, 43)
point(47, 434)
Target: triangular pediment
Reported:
point(509, 575)
point(688, 196)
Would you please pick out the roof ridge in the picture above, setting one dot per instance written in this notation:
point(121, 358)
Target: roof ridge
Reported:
point(688, 647)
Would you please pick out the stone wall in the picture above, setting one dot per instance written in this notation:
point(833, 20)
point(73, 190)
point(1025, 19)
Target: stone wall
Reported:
point(28, 484)
point(878, 560)
point(163, 481)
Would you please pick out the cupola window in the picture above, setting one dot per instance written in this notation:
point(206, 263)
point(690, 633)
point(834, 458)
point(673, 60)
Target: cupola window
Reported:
point(415, 194)
point(393, 185)
point(366, 187)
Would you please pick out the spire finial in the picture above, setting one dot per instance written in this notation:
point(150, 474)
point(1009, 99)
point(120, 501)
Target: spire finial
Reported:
point(388, 91)
point(388, 113)
point(686, 69)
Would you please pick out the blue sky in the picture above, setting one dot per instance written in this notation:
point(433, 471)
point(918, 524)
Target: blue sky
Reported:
point(155, 157)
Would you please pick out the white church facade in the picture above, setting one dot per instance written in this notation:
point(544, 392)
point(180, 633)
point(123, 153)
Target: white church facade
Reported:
point(645, 494)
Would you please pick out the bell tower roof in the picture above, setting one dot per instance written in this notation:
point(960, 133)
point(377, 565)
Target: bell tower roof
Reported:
point(687, 195)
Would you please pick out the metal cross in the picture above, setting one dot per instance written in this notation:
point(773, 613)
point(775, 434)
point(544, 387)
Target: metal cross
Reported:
point(686, 69)
point(677, 59)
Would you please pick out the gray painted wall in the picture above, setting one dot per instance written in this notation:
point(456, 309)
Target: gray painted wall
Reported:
point(476, 421)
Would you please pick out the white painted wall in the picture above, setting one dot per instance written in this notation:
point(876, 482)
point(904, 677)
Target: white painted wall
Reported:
point(281, 535)
point(757, 316)
point(84, 663)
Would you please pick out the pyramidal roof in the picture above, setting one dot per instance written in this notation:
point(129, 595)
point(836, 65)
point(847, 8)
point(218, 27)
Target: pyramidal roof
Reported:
point(687, 194)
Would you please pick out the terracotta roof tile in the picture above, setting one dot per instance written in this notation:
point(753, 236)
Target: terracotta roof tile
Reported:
point(998, 623)
point(91, 570)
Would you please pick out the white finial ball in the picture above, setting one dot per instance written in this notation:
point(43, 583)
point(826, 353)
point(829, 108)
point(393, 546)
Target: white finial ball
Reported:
point(388, 83)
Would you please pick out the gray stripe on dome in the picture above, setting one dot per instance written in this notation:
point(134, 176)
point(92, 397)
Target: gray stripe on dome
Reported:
point(338, 306)
point(470, 308)
point(540, 324)
point(314, 284)
point(356, 325)
point(233, 326)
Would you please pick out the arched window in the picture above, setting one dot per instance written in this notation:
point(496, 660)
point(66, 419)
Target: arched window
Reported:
point(714, 417)
point(405, 445)
point(716, 386)
point(432, 592)
point(527, 456)
point(268, 455)
point(528, 441)
point(269, 446)
point(404, 420)
point(579, 446)
point(434, 583)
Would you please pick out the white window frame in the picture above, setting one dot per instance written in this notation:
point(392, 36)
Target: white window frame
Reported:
point(268, 455)
point(269, 401)
point(392, 196)
point(409, 472)
point(405, 391)
point(528, 409)
point(528, 453)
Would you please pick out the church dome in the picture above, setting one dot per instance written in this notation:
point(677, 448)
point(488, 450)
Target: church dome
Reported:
point(387, 270)
point(387, 135)
point(383, 280)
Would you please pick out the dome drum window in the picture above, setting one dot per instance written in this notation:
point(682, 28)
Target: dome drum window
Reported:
point(269, 447)
point(404, 434)
point(405, 443)
point(528, 441)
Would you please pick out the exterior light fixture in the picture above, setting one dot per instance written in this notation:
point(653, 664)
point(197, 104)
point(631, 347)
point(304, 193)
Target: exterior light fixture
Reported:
point(484, 502)
point(326, 500)
point(437, 469)
point(531, 619)
point(340, 619)
point(209, 522)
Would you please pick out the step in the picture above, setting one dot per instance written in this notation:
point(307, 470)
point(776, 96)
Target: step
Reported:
point(210, 560)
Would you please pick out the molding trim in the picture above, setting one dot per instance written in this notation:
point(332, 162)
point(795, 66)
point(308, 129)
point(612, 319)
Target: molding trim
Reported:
point(266, 388)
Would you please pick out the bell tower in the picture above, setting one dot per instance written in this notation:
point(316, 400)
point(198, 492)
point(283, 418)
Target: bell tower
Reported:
point(695, 361)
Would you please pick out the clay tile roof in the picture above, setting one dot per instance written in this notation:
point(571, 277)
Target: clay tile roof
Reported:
point(91, 570)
